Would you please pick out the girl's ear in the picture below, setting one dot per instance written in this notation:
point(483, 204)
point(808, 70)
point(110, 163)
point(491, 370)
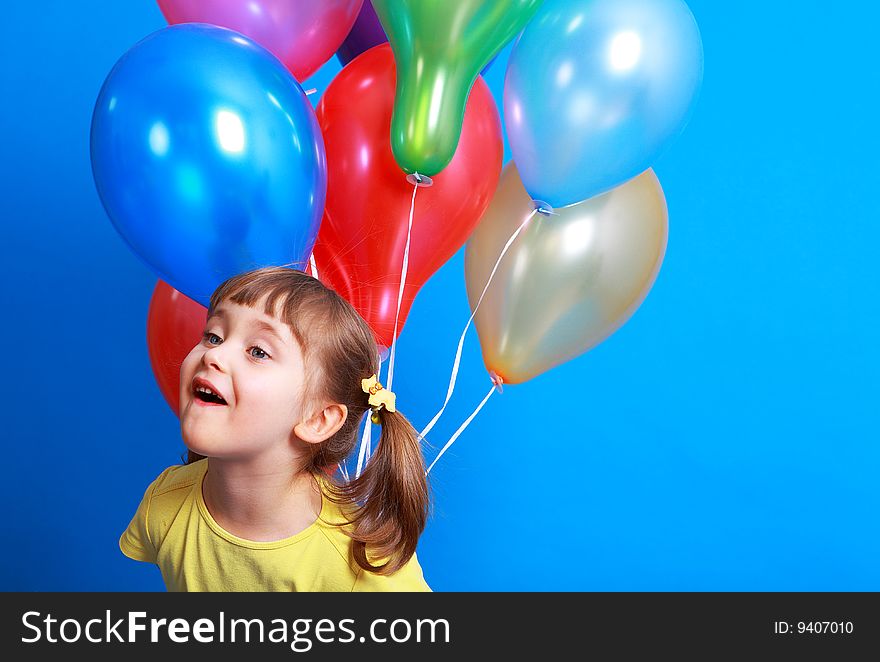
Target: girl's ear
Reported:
point(322, 425)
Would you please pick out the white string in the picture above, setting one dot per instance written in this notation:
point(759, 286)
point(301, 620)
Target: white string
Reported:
point(455, 364)
point(366, 439)
point(365, 442)
point(461, 429)
point(412, 207)
point(313, 265)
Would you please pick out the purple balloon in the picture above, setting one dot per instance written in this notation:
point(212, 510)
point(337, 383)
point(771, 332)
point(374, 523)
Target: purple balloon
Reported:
point(366, 32)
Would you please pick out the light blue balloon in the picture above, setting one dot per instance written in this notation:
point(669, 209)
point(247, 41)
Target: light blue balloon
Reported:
point(596, 89)
point(208, 157)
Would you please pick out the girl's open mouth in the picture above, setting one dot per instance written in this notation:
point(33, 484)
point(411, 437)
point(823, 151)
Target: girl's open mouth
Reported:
point(205, 394)
point(208, 398)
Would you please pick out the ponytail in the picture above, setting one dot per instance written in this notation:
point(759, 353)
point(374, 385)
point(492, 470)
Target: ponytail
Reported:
point(392, 498)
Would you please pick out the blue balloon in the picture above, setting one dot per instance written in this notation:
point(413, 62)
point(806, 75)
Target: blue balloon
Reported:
point(208, 157)
point(595, 90)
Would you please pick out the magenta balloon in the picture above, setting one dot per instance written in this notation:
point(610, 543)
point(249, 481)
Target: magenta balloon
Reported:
point(303, 34)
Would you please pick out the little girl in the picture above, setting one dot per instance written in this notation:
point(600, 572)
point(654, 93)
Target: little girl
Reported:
point(270, 402)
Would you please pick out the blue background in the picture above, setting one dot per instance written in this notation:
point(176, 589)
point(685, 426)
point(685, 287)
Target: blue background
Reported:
point(724, 439)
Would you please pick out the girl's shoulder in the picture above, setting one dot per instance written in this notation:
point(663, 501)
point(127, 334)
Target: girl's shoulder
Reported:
point(162, 499)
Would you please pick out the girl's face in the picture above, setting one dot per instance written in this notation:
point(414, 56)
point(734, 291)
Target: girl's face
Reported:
point(241, 386)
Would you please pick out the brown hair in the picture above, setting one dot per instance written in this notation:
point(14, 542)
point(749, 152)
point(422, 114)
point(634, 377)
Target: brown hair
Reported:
point(387, 505)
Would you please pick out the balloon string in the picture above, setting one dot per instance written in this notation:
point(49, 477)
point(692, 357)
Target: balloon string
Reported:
point(455, 364)
point(365, 443)
point(366, 446)
point(313, 265)
point(366, 439)
point(412, 207)
point(461, 429)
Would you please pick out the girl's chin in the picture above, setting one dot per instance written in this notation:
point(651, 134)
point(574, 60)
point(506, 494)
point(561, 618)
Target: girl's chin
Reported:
point(205, 444)
point(195, 442)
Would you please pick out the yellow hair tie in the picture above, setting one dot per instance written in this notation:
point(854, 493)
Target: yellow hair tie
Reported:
point(379, 395)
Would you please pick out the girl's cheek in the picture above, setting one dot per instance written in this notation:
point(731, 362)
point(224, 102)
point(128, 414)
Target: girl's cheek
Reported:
point(190, 361)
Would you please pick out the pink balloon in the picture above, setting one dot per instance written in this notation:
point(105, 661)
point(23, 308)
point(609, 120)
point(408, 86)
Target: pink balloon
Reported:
point(303, 34)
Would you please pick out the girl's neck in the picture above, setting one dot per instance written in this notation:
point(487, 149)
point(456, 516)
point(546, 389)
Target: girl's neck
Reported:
point(261, 504)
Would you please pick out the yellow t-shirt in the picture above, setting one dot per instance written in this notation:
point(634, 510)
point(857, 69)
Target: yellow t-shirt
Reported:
point(173, 529)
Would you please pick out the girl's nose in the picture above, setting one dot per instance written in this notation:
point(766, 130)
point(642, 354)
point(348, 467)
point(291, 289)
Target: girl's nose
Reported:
point(215, 357)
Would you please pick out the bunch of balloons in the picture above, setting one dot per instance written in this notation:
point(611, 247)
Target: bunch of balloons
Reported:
point(595, 91)
point(210, 160)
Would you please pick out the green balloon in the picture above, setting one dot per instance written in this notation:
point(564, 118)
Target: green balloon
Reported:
point(439, 47)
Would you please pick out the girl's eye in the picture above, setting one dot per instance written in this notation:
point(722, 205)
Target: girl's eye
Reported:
point(258, 353)
point(209, 337)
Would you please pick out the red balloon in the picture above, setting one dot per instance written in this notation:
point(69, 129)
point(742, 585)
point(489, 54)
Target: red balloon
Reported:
point(174, 326)
point(359, 251)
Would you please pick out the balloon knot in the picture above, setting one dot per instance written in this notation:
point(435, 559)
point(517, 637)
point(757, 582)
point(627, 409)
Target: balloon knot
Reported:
point(497, 381)
point(419, 180)
point(544, 208)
